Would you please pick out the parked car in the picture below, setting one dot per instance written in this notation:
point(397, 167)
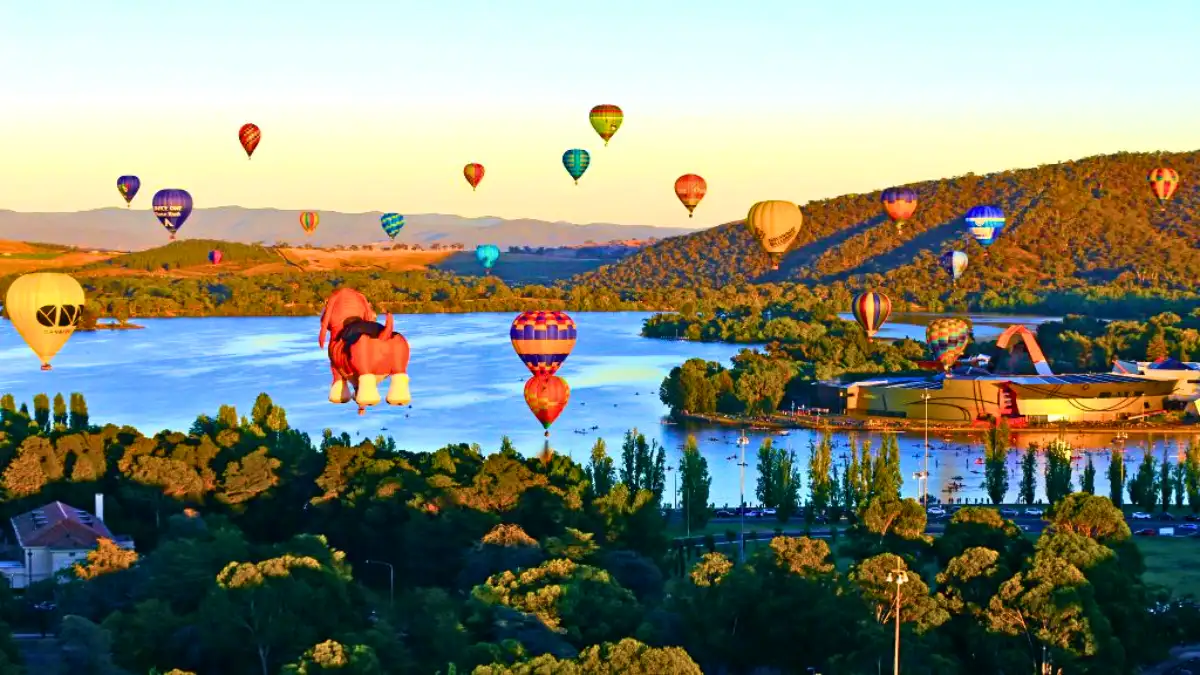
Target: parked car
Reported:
point(1192, 518)
point(1138, 515)
point(1187, 527)
point(768, 512)
point(1148, 532)
point(1011, 513)
point(1033, 512)
point(723, 513)
point(1165, 516)
point(936, 511)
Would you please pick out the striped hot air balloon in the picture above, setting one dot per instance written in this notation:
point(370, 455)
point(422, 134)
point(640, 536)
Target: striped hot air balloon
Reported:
point(543, 340)
point(871, 311)
point(391, 223)
point(900, 204)
point(547, 396)
point(955, 263)
point(690, 189)
point(1163, 182)
point(985, 223)
point(249, 136)
point(576, 162)
point(947, 339)
point(606, 119)
point(473, 173)
point(309, 220)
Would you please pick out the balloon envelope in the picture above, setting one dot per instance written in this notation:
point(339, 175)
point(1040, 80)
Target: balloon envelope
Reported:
point(955, 263)
point(547, 396)
point(775, 225)
point(690, 189)
point(985, 223)
point(900, 203)
point(215, 257)
point(473, 173)
point(391, 223)
point(1163, 182)
point(172, 208)
point(871, 311)
point(947, 339)
point(606, 119)
point(487, 255)
point(309, 220)
point(45, 308)
point(576, 162)
point(128, 186)
point(249, 136)
point(543, 340)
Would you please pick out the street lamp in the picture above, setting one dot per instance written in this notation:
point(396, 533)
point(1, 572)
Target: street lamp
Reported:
point(925, 396)
point(391, 579)
point(675, 499)
point(899, 577)
point(743, 442)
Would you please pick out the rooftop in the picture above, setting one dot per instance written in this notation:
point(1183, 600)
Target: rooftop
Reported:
point(59, 526)
point(1081, 378)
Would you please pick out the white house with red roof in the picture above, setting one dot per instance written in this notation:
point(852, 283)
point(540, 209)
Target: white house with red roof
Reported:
point(55, 537)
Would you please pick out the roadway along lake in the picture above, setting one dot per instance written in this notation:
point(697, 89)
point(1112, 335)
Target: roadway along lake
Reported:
point(466, 382)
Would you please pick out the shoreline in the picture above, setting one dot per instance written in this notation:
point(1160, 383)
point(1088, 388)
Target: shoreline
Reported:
point(842, 423)
point(110, 326)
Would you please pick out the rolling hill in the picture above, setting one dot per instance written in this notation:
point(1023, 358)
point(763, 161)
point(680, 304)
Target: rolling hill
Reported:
point(1085, 223)
point(136, 229)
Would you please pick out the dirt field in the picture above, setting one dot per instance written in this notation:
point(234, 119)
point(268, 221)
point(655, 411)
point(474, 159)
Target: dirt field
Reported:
point(18, 256)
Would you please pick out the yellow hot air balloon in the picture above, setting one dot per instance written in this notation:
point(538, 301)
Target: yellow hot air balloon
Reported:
point(775, 224)
point(45, 308)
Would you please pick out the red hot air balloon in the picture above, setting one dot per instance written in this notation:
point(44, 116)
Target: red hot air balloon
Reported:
point(249, 135)
point(215, 256)
point(547, 395)
point(473, 173)
point(1163, 182)
point(690, 189)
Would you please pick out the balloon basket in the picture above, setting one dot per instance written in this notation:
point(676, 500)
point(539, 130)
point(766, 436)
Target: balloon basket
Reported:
point(46, 366)
point(547, 434)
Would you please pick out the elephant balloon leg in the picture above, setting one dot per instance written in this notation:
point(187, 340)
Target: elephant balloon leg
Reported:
point(398, 392)
point(367, 392)
point(339, 391)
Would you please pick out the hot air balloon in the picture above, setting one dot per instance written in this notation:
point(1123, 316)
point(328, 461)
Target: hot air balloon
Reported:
point(215, 256)
point(985, 223)
point(249, 135)
point(900, 204)
point(775, 225)
point(871, 311)
point(606, 119)
point(576, 162)
point(391, 223)
point(547, 395)
point(45, 307)
point(172, 208)
point(309, 220)
point(487, 255)
point(955, 263)
point(128, 186)
point(543, 340)
point(1163, 182)
point(690, 189)
point(473, 173)
point(947, 339)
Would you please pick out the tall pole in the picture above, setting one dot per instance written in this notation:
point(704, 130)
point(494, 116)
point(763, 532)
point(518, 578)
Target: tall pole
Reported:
point(925, 492)
point(898, 577)
point(391, 579)
point(742, 514)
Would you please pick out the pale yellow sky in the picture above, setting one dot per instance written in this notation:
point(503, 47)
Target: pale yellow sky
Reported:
point(804, 110)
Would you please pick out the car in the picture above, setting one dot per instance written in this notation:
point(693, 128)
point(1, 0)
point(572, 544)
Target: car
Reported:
point(1148, 532)
point(936, 511)
point(1187, 527)
point(1008, 512)
point(723, 513)
point(1192, 518)
point(753, 513)
point(1138, 515)
point(1165, 516)
point(768, 512)
point(1033, 512)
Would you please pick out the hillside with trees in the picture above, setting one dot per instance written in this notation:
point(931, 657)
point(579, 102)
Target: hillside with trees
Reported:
point(1090, 225)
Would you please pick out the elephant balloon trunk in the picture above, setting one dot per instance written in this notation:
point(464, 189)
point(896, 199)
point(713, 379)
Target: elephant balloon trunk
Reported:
point(387, 328)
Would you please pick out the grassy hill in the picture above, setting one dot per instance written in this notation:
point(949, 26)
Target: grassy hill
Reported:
point(1076, 225)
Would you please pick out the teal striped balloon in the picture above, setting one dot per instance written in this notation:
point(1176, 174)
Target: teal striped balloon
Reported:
point(392, 223)
point(576, 162)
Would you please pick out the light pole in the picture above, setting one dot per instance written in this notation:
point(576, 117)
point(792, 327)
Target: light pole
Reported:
point(675, 498)
point(391, 579)
point(925, 396)
point(743, 442)
point(899, 577)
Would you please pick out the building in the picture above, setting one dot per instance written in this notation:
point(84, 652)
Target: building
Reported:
point(1185, 374)
point(55, 537)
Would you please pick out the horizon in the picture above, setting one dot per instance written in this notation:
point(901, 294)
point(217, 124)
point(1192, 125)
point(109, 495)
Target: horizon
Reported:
point(355, 127)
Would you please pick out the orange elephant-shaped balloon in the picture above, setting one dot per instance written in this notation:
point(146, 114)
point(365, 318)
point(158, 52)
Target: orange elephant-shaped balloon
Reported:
point(363, 353)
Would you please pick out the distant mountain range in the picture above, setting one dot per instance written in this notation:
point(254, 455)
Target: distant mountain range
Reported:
point(136, 229)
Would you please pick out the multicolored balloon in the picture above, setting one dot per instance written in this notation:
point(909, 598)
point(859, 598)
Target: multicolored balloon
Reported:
point(473, 173)
point(128, 186)
point(215, 256)
point(391, 223)
point(249, 135)
point(1163, 181)
point(955, 263)
point(547, 396)
point(947, 339)
point(690, 189)
point(172, 208)
point(487, 255)
point(985, 223)
point(309, 220)
point(871, 311)
point(900, 204)
point(576, 162)
point(606, 119)
point(543, 340)
point(775, 224)
point(45, 307)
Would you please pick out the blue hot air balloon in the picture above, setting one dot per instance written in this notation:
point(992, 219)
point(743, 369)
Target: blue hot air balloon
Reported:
point(487, 255)
point(391, 223)
point(128, 186)
point(955, 263)
point(172, 208)
point(576, 162)
point(985, 223)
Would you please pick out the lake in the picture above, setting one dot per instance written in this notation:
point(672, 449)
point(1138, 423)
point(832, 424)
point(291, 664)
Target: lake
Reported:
point(467, 386)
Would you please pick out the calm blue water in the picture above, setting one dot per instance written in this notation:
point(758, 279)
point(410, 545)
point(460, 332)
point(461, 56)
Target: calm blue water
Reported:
point(466, 383)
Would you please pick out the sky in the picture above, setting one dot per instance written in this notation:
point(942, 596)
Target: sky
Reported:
point(376, 106)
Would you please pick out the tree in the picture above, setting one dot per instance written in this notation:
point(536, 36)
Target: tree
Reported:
point(820, 482)
point(60, 410)
point(333, 658)
point(1027, 490)
point(1088, 482)
point(41, 411)
point(601, 472)
point(1143, 487)
point(1179, 481)
point(996, 445)
point(106, 558)
point(767, 489)
point(1192, 475)
point(78, 414)
point(1116, 475)
point(1165, 482)
point(1058, 470)
point(694, 484)
point(787, 485)
point(1090, 516)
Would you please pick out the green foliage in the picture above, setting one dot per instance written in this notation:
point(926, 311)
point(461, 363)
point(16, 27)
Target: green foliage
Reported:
point(996, 443)
point(187, 253)
point(1027, 490)
point(694, 484)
